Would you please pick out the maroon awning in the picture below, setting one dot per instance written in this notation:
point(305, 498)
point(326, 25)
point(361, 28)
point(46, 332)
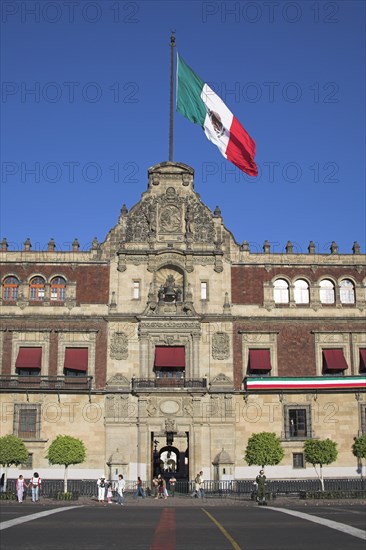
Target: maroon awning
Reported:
point(334, 359)
point(260, 359)
point(29, 358)
point(76, 359)
point(363, 359)
point(172, 357)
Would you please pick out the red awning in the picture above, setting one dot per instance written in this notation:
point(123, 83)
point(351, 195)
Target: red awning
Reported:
point(29, 358)
point(363, 359)
point(172, 357)
point(334, 359)
point(260, 359)
point(76, 359)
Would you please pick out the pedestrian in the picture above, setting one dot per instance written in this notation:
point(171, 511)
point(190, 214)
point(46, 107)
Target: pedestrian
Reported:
point(2, 483)
point(139, 489)
point(155, 484)
point(120, 487)
point(197, 489)
point(162, 487)
point(35, 484)
point(261, 491)
point(109, 492)
point(101, 489)
point(20, 486)
point(172, 483)
point(201, 485)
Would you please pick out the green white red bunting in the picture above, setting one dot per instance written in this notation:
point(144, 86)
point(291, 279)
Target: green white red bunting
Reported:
point(315, 383)
point(201, 105)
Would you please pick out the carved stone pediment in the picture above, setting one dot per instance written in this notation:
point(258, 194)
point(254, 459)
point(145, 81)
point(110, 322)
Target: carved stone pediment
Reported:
point(118, 381)
point(222, 381)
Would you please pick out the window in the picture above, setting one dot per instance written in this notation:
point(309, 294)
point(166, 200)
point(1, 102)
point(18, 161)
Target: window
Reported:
point(136, 290)
point(363, 419)
point(204, 288)
point(301, 292)
point(29, 361)
point(327, 292)
point(347, 292)
point(76, 361)
point(362, 368)
point(36, 289)
point(10, 289)
point(58, 287)
point(297, 422)
point(259, 362)
point(334, 361)
point(169, 362)
point(281, 293)
point(27, 421)
point(28, 465)
point(298, 460)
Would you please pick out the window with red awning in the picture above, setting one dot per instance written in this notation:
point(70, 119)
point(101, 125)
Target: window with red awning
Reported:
point(29, 358)
point(259, 360)
point(170, 357)
point(334, 360)
point(76, 359)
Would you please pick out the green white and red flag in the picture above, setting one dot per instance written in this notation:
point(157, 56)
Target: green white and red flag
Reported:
point(201, 105)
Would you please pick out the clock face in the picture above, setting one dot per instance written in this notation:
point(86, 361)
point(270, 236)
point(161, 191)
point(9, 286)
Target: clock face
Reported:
point(170, 219)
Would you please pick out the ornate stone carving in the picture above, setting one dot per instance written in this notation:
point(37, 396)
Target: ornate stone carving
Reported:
point(221, 381)
point(187, 406)
point(119, 346)
point(141, 221)
point(119, 381)
point(170, 220)
point(170, 425)
point(151, 406)
point(200, 222)
point(220, 346)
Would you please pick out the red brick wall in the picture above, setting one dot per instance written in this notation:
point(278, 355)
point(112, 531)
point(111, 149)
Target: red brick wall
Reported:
point(92, 281)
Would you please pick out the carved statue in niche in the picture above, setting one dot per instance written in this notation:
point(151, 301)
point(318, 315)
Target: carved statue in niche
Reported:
point(220, 346)
point(119, 346)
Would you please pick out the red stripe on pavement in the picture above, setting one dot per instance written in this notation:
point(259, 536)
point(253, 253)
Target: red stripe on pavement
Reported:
point(164, 536)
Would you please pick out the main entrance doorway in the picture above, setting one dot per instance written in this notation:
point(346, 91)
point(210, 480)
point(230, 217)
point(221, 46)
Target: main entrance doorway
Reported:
point(170, 455)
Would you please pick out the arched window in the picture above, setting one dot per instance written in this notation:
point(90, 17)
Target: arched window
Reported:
point(10, 289)
point(36, 289)
point(58, 287)
point(281, 293)
point(347, 292)
point(301, 291)
point(327, 293)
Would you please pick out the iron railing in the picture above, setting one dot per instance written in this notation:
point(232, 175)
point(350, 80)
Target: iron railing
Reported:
point(11, 383)
point(148, 383)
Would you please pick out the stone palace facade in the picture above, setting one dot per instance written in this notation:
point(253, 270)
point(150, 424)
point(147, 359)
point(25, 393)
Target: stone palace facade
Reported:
point(166, 346)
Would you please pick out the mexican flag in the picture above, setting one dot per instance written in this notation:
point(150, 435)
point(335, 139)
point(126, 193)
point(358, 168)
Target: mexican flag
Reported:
point(201, 105)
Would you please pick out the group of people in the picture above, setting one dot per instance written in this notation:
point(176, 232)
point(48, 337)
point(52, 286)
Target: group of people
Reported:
point(160, 487)
point(198, 486)
point(105, 489)
point(34, 483)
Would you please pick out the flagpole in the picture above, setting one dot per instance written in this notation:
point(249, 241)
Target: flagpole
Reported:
point(171, 117)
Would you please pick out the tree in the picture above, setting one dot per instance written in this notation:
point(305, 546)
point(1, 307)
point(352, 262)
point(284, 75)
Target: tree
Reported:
point(264, 449)
point(12, 451)
point(359, 448)
point(320, 452)
point(66, 450)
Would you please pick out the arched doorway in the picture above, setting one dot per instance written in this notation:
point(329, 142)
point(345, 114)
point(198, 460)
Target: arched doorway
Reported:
point(170, 459)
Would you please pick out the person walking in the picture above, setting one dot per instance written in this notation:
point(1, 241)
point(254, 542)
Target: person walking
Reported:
point(120, 487)
point(35, 483)
point(20, 487)
point(261, 491)
point(197, 490)
point(202, 493)
point(109, 492)
point(139, 488)
point(155, 484)
point(172, 483)
point(101, 489)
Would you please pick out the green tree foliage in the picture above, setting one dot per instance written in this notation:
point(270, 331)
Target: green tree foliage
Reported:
point(320, 452)
point(66, 450)
point(359, 449)
point(12, 451)
point(264, 449)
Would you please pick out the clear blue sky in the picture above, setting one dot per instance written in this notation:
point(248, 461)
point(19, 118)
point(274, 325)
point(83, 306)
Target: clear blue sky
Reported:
point(79, 146)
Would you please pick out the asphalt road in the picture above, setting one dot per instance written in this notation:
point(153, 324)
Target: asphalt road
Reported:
point(168, 527)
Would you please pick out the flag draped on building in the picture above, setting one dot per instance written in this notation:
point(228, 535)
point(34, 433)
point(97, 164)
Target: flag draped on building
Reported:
point(201, 105)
